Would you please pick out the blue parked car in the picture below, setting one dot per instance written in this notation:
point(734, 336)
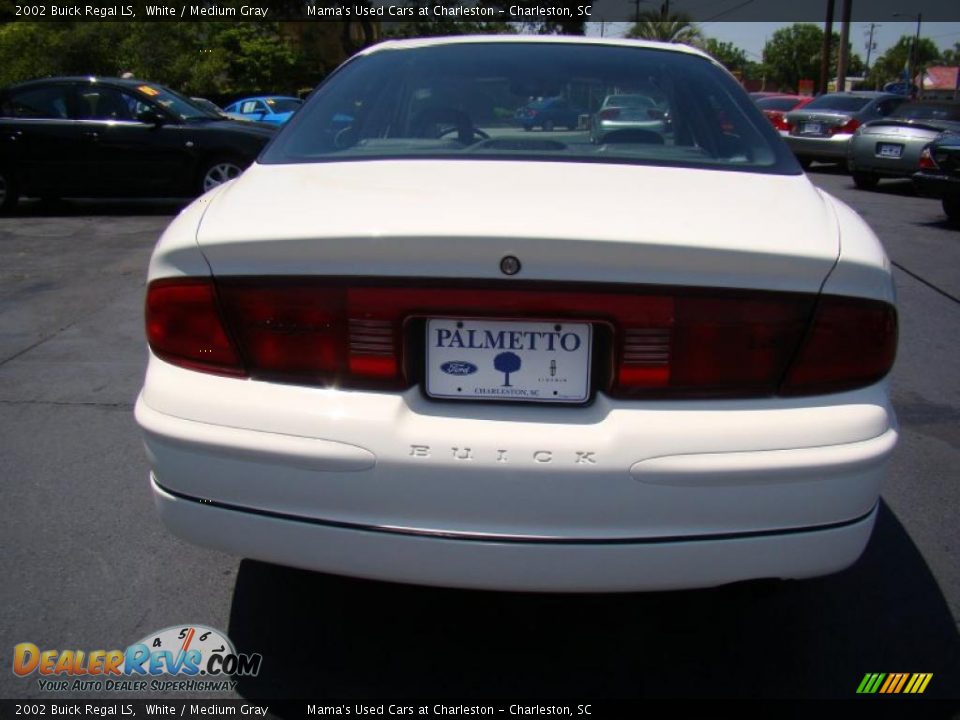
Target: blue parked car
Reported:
point(549, 113)
point(268, 108)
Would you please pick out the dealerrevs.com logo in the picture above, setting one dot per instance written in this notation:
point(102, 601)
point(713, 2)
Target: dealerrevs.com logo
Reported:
point(201, 657)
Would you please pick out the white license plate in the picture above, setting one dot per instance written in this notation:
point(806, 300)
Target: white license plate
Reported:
point(890, 151)
point(508, 360)
point(814, 128)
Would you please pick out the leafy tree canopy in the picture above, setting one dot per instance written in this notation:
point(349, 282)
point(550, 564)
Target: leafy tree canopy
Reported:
point(793, 54)
point(891, 65)
point(952, 56)
point(678, 28)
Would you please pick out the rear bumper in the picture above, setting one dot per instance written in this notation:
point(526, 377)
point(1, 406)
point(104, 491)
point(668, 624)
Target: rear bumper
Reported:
point(865, 157)
point(938, 186)
point(506, 564)
point(816, 148)
point(613, 496)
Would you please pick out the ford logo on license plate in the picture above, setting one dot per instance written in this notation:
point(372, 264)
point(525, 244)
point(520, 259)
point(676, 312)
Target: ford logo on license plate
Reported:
point(458, 367)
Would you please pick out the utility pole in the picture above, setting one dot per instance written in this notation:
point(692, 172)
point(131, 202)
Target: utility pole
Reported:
point(915, 55)
point(871, 45)
point(825, 50)
point(914, 58)
point(842, 56)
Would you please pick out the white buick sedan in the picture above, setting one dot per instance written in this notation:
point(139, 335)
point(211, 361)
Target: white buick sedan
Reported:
point(416, 343)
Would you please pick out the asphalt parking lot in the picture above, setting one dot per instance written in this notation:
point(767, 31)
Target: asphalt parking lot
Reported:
point(87, 565)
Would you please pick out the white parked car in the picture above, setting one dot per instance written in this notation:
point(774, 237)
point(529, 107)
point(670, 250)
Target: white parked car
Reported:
point(414, 343)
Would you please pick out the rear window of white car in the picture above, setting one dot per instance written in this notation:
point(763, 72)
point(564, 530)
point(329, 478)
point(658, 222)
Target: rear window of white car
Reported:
point(463, 100)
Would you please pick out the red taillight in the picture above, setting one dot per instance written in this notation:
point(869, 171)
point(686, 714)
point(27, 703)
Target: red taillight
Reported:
point(715, 345)
point(778, 120)
point(850, 126)
point(851, 343)
point(184, 326)
point(651, 342)
point(927, 162)
point(287, 330)
point(610, 114)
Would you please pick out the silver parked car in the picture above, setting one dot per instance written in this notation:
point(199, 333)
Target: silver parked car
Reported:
point(891, 147)
point(822, 129)
point(630, 113)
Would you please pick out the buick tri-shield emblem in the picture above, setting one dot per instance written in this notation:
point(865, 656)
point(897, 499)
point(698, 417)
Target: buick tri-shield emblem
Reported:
point(458, 367)
point(510, 265)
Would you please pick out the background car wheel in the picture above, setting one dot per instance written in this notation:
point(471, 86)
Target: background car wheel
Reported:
point(8, 191)
point(548, 125)
point(951, 206)
point(865, 180)
point(218, 172)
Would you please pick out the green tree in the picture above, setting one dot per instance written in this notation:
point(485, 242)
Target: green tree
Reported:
point(726, 53)
point(255, 55)
point(951, 56)
point(198, 58)
point(29, 50)
point(677, 28)
point(891, 65)
point(733, 58)
point(793, 54)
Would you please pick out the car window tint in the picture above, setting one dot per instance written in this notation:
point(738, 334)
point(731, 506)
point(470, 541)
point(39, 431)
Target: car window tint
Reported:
point(846, 103)
point(885, 107)
point(927, 112)
point(470, 100)
point(780, 104)
point(249, 107)
point(47, 102)
point(628, 101)
point(284, 105)
point(106, 103)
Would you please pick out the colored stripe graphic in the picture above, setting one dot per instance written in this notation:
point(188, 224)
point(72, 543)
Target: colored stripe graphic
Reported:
point(894, 683)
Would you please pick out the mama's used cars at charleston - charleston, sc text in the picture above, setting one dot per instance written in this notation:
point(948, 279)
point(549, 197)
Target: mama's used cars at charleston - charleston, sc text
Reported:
point(415, 342)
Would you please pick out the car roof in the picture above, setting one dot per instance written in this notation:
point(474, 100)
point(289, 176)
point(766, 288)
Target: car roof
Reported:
point(266, 97)
point(933, 103)
point(90, 79)
point(861, 93)
point(410, 43)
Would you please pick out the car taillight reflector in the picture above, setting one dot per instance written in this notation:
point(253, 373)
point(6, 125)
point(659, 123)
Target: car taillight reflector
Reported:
point(850, 126)
point(184, 326)
point(851, 343)
point(610, 114)
point(926, 160)
point(655, 342)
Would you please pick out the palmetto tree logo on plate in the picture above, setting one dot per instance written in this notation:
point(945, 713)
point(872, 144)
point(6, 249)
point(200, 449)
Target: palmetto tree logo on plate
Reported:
point(507, 362)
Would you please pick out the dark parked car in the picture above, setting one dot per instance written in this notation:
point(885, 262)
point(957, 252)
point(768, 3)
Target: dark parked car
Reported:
point(107, 137)
point(939, 173)
point(549, 113)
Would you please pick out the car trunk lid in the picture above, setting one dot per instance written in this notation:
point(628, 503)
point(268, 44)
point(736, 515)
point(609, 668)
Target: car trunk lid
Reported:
point(458, 219)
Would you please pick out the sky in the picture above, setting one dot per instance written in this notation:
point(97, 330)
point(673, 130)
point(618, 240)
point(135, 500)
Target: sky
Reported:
point(752, 36)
